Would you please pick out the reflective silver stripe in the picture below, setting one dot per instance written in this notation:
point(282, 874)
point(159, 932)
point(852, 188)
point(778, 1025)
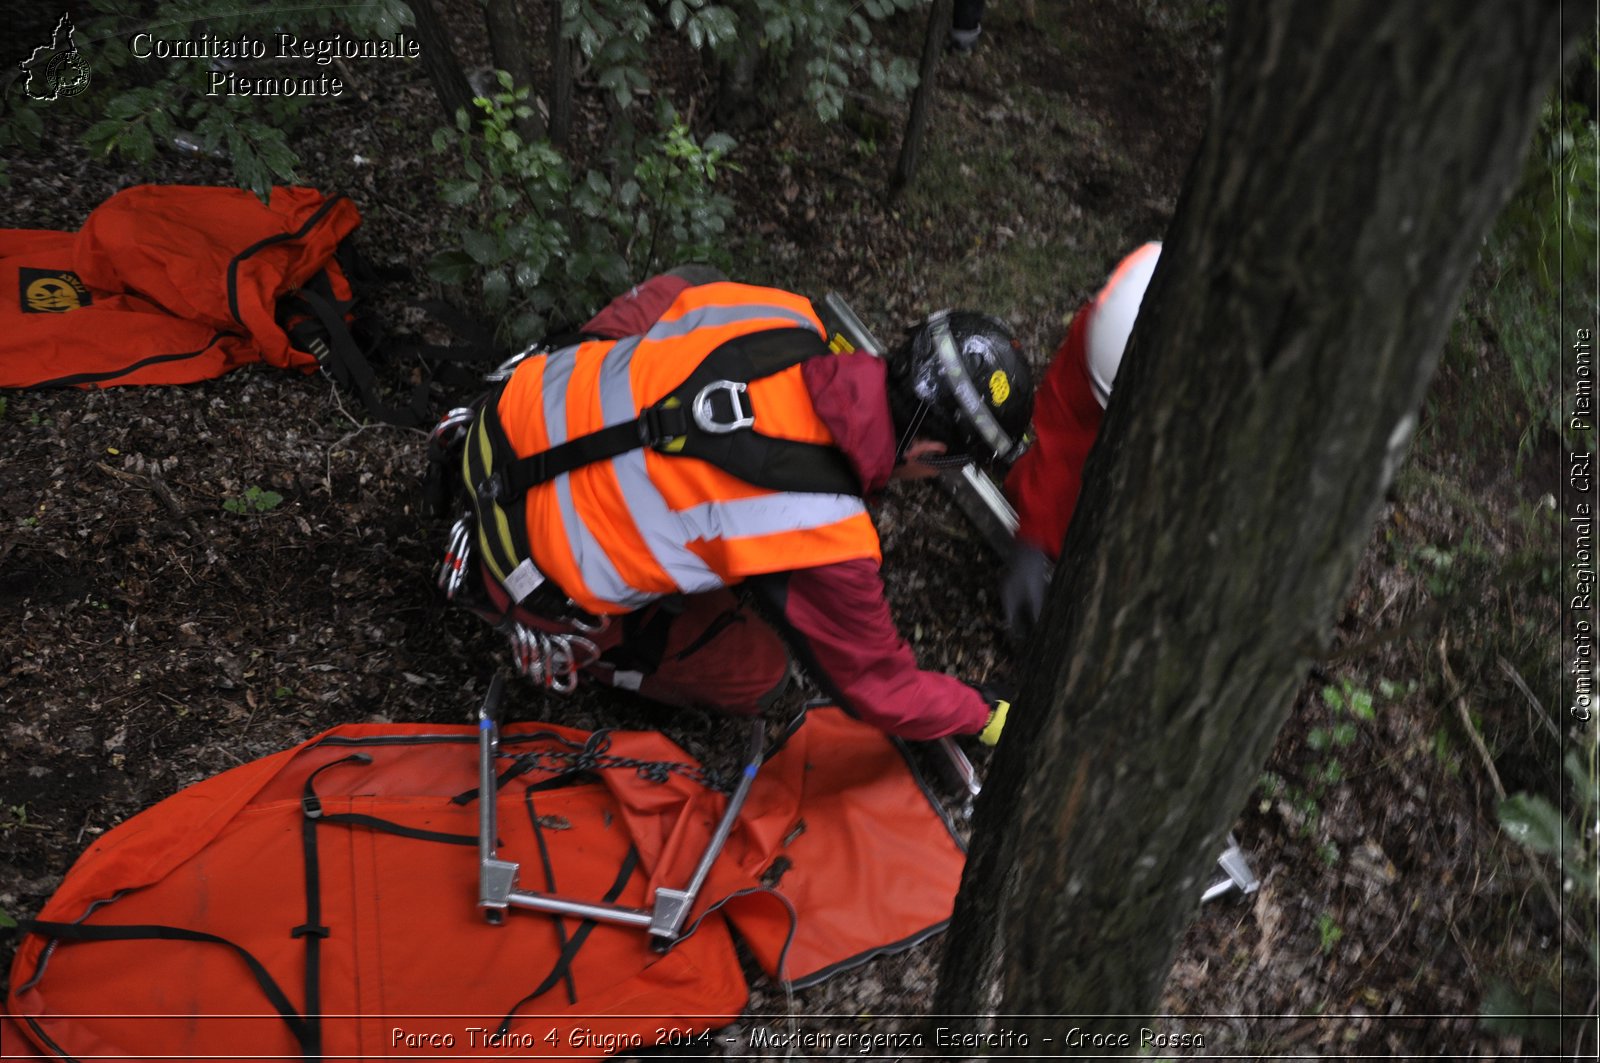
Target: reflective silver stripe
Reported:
point(712, 316)
point(660, 528)
point(744, 518)
point(666, 533)
point(656, 523)
point(593, 562)
point(615, 384)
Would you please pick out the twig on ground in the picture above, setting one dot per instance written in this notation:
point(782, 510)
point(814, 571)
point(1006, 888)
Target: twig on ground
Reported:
point(1521, 684)
point(1459, 698)
point(158, 487)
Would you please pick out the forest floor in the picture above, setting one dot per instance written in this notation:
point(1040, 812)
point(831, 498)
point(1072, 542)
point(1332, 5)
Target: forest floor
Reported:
point(152, 635)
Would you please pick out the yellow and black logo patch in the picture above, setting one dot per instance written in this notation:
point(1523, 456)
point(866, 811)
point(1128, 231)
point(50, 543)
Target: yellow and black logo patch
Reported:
point(999, 388)
point(51, 291)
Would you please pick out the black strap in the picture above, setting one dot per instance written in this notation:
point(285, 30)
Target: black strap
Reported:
point(312, 930)
point(550, 879)
point(570, 950)
point(349, 367)
point(299, 1026)
point(668, 427)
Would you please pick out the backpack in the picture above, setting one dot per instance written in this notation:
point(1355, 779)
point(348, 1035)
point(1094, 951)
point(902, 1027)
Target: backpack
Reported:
point(173, 284)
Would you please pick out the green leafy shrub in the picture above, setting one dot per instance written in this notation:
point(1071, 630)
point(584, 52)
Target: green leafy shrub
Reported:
point(145, 104)
point(828, 40)
point(547, 245)
point(1534, 271)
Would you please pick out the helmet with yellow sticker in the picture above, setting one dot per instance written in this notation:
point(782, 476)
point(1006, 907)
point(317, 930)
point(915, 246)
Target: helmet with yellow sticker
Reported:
point(961, 378)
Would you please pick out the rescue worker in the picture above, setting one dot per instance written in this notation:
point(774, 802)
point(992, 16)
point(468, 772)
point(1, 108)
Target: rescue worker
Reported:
point(1043, 485)
point(704, 437)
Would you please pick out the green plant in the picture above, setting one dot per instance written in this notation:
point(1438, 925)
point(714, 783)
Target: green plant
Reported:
point(1535, 823)
point(1329, 933)
point(141, 102)
point(254, 500)
point(1530, 278)
point(548, 245)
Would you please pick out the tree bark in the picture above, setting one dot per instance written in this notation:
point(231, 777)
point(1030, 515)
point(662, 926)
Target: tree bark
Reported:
point(916, 121)
point(439, 60)
point(560, 79)
point(1356, 155)
point(508, 43)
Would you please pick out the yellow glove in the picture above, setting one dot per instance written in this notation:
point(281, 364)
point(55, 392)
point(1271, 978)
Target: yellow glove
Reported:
point(997, 722)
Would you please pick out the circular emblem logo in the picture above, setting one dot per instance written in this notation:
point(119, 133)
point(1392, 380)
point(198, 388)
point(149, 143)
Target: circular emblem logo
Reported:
point(52, 295)
point(66, 75)
point(999, 387)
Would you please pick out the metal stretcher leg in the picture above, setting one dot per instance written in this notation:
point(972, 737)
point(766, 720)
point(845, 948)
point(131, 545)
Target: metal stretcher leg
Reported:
point(497, 879)
point(1235, 866)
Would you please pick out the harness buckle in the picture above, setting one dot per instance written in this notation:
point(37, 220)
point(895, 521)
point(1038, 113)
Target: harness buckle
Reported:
point(744, 415)
point(661, 424)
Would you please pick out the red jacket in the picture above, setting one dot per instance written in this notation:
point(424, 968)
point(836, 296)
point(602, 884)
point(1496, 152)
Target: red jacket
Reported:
point(1043, 485)
point(834, 617)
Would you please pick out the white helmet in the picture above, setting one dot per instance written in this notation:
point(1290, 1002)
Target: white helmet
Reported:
point(1111, 319)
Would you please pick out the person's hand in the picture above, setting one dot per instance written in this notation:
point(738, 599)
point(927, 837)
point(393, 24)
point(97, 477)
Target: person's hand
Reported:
point(999, 700)
point(1022, 589)
point(997, 723)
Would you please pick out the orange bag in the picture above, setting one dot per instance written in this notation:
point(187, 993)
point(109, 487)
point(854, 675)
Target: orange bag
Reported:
point(321, 901)
point(167, 285)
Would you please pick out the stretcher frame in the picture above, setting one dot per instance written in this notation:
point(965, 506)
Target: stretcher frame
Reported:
point(498, 890)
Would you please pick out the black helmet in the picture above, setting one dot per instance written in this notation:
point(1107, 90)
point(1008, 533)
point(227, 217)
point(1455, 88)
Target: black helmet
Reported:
point(961, 378)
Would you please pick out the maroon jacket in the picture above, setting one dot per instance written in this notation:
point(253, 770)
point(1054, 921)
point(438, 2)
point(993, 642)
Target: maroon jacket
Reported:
point(834, 617)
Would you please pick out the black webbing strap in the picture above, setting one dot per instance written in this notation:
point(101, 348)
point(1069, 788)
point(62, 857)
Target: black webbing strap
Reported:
point(669, 427)
point(312, 930)
point(570, 950)
point(550, 878)
point(311, 806)
point(345, 362)
point(303, 1028)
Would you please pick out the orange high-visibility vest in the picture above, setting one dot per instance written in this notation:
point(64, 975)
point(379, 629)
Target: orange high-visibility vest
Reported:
point(617, 533)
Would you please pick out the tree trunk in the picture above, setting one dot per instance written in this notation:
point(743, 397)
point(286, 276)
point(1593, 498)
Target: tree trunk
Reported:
point(439, 60)
point(1356, 155)
point(560, 79)
point(911, 144)
point(508, 43)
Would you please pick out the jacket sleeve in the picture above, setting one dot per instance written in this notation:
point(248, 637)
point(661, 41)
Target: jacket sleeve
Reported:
point(837, 623)
point(1044, 483)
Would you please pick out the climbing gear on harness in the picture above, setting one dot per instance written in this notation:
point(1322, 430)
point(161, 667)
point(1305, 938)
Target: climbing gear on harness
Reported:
point(551, 660)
